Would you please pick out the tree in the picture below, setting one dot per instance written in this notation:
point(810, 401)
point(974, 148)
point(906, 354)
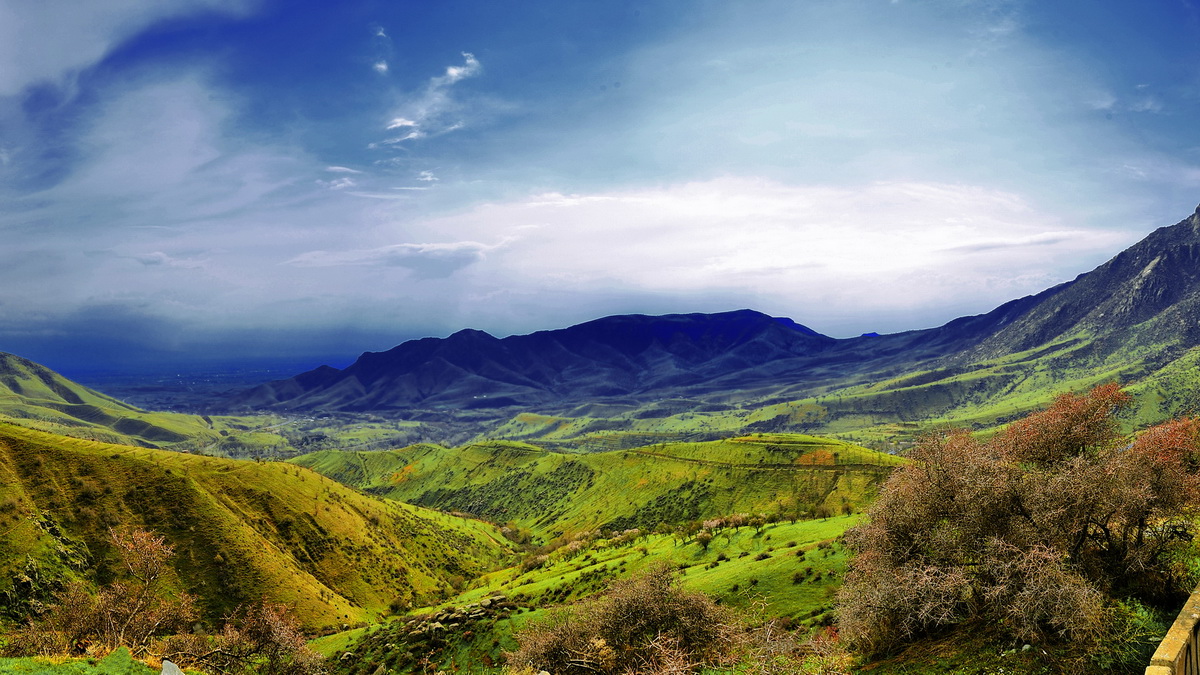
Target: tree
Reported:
point(1036, 530)
point(140, 613)
point(129, 612)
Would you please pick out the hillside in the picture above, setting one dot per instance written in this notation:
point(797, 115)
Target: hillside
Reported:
point(551, 493)
point(242, 530)
point(29, 391)
point(36, 397)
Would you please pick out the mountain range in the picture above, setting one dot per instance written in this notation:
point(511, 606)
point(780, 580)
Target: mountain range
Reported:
point(1140, 308)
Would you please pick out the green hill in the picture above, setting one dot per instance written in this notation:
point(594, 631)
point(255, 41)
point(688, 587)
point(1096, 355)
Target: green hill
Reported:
point(554, 492)
point(242, 530)
point(36, 397)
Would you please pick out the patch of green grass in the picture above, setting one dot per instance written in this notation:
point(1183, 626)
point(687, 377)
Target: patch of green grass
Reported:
point(118, 663)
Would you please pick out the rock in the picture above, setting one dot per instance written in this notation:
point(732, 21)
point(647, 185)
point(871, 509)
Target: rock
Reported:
point(170, 669)
point(486, 602)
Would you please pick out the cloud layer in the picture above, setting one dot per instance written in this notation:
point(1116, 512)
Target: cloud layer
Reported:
point(205, 174)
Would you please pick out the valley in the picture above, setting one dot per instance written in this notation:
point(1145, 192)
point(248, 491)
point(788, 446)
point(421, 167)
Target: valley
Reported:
point(429, 507)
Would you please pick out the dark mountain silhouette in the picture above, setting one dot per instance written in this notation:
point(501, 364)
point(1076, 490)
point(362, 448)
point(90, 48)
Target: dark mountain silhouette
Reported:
point(1147, 294)
point(635, 357)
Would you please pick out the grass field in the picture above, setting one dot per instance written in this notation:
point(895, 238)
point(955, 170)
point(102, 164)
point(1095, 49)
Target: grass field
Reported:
point(787, 571)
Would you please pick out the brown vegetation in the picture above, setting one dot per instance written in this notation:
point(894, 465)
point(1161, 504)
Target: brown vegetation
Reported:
point(646, 624)
point(139, 612)
point(1038, 531)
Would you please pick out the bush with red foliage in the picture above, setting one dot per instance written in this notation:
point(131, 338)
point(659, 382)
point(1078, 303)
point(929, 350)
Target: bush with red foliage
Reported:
point(1036, 531)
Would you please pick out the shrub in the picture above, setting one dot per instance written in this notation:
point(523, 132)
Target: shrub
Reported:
point(124, 613)
point(263, 638)
point(1033, 531)
point(646, 624)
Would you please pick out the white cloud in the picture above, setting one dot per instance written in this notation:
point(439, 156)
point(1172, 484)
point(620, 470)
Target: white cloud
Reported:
point(49, 39)
point(380, 67)
point(426, 176)
point(341, 169)
point(424, 260)
point(158, 258)
point(429, 113)
point(400, 139)
point(888, 250)
point(1147, 104)
point(338, 184)
point(470, 68)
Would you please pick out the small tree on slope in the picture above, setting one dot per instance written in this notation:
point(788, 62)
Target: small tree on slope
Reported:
point(1035, 531)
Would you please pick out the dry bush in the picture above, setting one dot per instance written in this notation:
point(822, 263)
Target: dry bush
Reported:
point(263, 638)
point(125, 613)
point(1035, 531)
point(646, 624)
point(138, 613)
point(771, 650)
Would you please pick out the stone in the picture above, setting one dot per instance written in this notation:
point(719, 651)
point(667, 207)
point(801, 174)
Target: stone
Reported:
point(170, 669)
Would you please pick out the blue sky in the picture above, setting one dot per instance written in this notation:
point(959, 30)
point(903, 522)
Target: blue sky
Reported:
point(243, 178)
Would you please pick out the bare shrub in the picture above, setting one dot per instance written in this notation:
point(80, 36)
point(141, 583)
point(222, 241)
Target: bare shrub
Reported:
point(262, 638)
point(125, 613)
point(139, 613)
point(646, 624)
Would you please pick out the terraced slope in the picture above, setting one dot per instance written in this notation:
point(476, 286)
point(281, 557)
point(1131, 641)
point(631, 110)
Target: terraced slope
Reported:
point(671, 483)
point(242, 530)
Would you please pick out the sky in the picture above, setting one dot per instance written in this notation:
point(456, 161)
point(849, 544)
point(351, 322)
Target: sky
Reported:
point(191, 180)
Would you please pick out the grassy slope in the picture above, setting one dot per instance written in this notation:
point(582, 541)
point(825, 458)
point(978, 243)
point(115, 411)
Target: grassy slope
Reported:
point(36, 397)
point(757, 575)
point(241, 529)
point(551, 492)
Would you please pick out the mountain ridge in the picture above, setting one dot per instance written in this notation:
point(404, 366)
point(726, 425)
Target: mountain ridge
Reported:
point(619, 356)
point(1127, 319)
